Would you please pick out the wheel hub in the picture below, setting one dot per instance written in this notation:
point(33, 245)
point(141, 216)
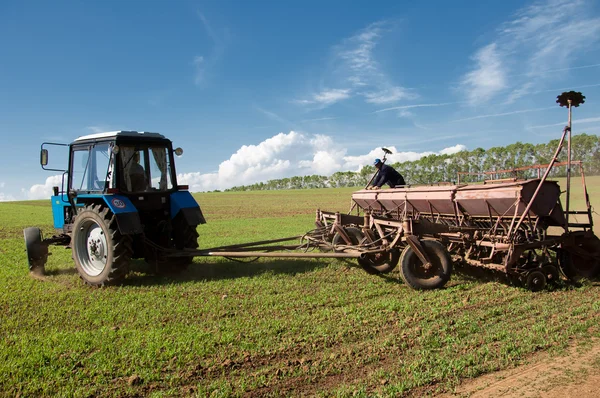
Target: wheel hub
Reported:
point(96, 249)
point(536, 281)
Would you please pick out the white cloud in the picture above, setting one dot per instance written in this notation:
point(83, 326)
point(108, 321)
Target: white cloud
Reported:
point(488, 78)
point(328, 97)
point(273, 116)
point(357, 162)
point(2, 184)
point(519, 92)
point(555, 90)
point(288, 155)
point(275, 157)
point(504, 113)
point(360, 67)
point(405, 113)
point(416, 106)
point(575, 122)
point(551, 32)
point(204, 64)
point(453, 149)
point(355, 64)
point(6, 197)
point(320, 119)
point(386, 96)
point(43, 191)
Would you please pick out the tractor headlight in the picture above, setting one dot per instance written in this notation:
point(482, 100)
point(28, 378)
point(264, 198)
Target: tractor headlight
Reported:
point(178, 151)
point(115, 149)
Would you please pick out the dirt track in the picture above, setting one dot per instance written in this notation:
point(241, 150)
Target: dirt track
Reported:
point(574, 374)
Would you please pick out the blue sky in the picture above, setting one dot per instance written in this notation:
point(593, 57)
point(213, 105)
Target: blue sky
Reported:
point(255, 90)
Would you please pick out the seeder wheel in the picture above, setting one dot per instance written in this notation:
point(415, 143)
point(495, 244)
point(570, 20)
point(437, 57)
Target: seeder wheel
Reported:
point(536, 281)
point(551, 273)
point(353, 233)
point(581, 257)
point(376, 263)
point(426, 276)
point(379, 263)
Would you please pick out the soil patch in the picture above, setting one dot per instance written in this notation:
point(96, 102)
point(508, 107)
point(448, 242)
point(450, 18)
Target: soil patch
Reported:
point(573, 374)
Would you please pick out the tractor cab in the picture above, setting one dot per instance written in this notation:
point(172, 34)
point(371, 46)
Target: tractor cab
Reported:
point(124, 162)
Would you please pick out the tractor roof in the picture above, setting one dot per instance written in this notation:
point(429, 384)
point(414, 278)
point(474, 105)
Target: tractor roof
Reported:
point(120, 134)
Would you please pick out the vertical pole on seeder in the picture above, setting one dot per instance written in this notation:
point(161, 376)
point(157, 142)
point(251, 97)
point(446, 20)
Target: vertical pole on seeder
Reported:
point(569, 101)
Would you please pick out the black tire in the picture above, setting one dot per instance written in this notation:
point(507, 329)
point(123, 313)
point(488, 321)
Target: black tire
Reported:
point(37, 252)
point(101, 253)
point(576, 265)
point(565, 264)
point(551, 273)
point(536, 281)
point(416, 276)
point(380, 263)
point(184, 237)
point(355, 235)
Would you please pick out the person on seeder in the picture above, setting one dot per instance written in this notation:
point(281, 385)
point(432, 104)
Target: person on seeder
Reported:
point(386, 175)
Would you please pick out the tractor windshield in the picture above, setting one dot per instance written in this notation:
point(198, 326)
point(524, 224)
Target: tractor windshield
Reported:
point(145, 168)
point(91, 168)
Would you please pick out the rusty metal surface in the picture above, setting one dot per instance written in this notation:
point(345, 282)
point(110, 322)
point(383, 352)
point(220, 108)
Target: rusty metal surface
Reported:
point(474, 200)
point(353, 254)
point(502, 198)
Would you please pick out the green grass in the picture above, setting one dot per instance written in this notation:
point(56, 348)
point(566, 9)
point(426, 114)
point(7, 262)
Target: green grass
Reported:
point(267, 328)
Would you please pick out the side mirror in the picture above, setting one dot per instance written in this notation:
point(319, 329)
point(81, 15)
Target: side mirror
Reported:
point(178, 151)
point(44, 157)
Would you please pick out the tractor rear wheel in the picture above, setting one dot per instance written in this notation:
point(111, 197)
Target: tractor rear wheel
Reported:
point(432, 276)
point(184, 237)
point(100, 251)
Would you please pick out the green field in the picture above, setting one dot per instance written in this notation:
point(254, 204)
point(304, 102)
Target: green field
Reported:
point(267, 328)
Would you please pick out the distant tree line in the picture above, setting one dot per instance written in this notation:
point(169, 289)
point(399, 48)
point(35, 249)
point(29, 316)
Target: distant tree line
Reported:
point(444, 168)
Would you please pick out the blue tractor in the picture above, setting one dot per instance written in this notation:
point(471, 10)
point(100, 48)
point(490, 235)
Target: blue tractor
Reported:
point(119, 200)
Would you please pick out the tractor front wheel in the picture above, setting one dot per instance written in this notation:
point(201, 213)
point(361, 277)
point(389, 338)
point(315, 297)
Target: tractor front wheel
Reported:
point(100, 251)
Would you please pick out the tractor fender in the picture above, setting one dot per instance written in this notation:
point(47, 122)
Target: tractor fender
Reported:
point(182, 202)
point(126, 213)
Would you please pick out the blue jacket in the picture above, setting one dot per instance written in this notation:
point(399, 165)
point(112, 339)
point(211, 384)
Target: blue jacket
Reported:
point(388, 175)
